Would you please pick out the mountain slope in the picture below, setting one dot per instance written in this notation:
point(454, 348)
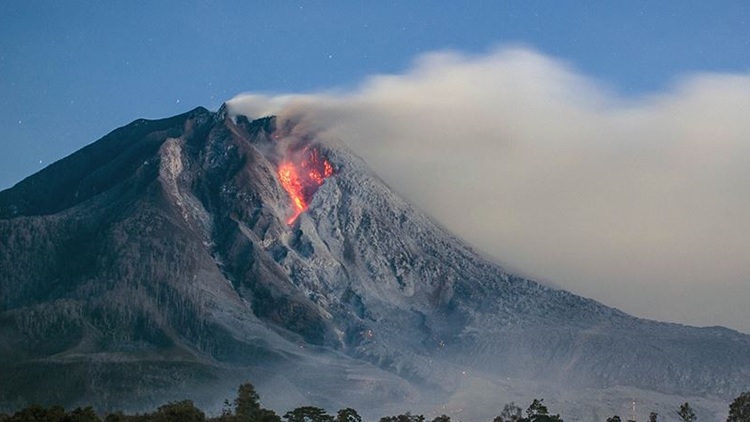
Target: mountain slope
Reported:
point(160, 256)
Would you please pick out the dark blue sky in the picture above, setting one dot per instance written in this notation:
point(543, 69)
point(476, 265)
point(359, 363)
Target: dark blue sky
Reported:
point(72, 71)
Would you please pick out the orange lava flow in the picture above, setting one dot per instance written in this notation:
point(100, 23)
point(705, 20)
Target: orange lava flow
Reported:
point(291, 182)
point(301, 180)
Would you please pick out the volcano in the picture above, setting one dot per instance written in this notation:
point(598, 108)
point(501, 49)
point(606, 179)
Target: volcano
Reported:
point(177, 258)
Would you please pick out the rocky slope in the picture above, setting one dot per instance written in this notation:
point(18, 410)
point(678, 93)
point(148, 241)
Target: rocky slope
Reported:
point(157, 264)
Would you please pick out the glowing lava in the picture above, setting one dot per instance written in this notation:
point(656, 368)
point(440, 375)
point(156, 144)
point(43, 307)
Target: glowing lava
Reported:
point(301, 180)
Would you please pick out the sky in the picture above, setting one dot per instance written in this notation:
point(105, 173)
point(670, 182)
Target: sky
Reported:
point(70, 72)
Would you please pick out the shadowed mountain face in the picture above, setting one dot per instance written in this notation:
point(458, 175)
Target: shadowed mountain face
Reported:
point(158, 264)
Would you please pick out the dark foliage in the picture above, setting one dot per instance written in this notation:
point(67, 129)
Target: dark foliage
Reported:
point(308, 414)
point(183, 411)
point(538, 412)
point(511, 413)
point(739, 410)
point(406, 417)
point(36, 413)
point(247, 408)
point(348, 415)
point(247, 403)
point(686, 413)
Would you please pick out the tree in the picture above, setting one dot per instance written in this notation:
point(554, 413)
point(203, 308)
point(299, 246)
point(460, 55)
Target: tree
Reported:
point(266, 415)
point(511, 412)
point(116, 417)
point(78, 414)
point(739, 410)
point(348, 415)
point(246, 408)
point(538, 412)
point(36, 412)
point(183, 411)
point(247, 403)
point(653, 416)
point(536, 408)
point(406, 417)
point(227, 408)
point(686, 413)
point(442, 418)
point(308, 414)
point(614, 418)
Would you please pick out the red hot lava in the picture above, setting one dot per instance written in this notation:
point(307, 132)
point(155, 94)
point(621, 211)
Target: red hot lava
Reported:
point(301, 179)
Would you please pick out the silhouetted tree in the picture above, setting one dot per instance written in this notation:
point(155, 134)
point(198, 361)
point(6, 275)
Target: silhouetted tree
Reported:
point(406, 417)
point(37, 413)
point(442, 418)
point(739, 410)
point(538, 412)
point(247, 403)
point(510, 413)
point(308, 414)
point(267, 415)
point(245, 408)
point(183, 411)
point(116, 417)
point(536, 408)
point(86, 414)
point(653, 416)
point(686, 413)
point(348, 415)
point(614, 418)
point(227, 409)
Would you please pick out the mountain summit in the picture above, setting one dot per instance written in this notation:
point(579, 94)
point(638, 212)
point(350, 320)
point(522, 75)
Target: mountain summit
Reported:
point(178, 258)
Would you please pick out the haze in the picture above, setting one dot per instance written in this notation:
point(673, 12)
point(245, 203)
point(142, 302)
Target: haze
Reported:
point(640, 203)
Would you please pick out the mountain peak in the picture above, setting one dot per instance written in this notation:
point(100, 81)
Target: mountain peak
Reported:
point(95, 168)
point(166, 248)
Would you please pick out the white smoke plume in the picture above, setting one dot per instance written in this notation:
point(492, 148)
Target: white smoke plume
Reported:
point(643, 204)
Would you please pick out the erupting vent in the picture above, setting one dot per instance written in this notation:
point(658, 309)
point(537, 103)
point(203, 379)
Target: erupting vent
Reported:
point(301, 180)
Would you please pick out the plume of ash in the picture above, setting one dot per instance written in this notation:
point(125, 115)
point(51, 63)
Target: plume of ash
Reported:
point(641, 203)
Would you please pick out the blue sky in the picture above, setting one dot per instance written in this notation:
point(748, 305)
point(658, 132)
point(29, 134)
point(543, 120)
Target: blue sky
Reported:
point(72, 71)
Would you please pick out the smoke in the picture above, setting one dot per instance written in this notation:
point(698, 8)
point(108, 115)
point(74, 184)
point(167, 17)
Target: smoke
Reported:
point(640, 203)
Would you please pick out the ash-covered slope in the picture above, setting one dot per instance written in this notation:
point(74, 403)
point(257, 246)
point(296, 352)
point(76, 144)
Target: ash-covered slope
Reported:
point(157, 264)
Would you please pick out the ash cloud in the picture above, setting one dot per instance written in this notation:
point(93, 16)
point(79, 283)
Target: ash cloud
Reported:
point(641, 203)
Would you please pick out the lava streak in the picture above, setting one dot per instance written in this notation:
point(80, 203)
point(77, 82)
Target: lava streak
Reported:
point(301, 179)
point(292, 183)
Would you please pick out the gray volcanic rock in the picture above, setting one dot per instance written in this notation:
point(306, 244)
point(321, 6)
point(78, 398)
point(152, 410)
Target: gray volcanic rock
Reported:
point(156, 264)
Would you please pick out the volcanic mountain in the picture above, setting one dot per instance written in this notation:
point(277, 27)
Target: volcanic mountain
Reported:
point(178, 258)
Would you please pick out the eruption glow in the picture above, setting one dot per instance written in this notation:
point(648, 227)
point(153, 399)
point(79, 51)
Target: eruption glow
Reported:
point(301, 180)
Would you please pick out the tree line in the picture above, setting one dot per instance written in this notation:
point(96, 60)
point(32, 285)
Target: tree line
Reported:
point(246, 408)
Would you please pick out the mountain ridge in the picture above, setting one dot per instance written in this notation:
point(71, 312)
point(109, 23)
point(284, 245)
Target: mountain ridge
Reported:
point(171, 249)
